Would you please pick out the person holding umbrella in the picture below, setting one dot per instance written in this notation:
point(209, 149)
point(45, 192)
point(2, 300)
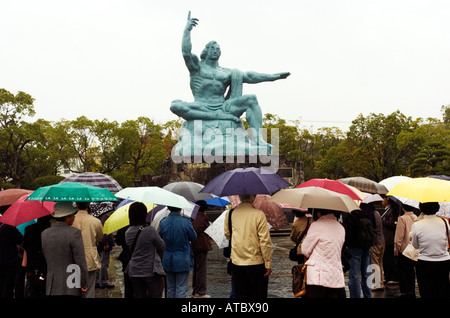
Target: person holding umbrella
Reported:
point(251, 249)
point(177, 232)
point(92, 233)
point(63, 250)
point(430, 236)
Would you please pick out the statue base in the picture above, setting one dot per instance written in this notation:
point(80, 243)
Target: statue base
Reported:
point(202, 172)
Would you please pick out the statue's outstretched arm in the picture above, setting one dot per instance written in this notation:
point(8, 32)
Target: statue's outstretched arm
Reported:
point(190, 59)
point(253, 77)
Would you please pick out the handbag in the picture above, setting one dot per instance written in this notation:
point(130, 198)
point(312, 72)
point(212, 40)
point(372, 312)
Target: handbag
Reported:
point(293, 256)
point(411, 252)
point(299, 280)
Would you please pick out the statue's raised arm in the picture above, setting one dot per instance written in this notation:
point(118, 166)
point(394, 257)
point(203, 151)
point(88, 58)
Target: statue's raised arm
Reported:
point(190, 59)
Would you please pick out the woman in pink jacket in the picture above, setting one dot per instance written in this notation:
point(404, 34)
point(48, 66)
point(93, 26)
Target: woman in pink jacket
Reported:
point(322, 246)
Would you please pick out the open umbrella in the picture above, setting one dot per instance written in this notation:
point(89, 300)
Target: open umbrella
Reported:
point(9, 196)
point(155, 195)
point(365, 185)
point(96, 179)
point(274, 212)
point(391, 182)
point(216, 230)
point(189, 190)
point(245, 181)
point(119, 218)
point(333, 185)
point(22, 211)
point(315, 197)
point(218, 201)
point(72, 191)
point(423, 190)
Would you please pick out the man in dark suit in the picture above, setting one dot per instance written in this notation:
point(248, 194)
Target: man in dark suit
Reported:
point(64, 252)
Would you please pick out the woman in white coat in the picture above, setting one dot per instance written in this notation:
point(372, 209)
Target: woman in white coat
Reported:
point(322, 246)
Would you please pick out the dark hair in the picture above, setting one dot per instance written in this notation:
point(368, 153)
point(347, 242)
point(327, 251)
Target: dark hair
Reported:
point(137, 213)
point(173, 208)
point(408, 207)
point(82, 205)
point(429, 207)
point(202, 204)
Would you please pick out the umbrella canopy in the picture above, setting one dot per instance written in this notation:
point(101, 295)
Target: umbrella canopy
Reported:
point(315, 197)
point(22, 211)
point(274, 212)
point(189, 190)
point(96, 179)
point(245, 181)
point(333, 185)
point(218, 201)
point(9, 196)
point(365, 185)
point(72, 191)
point(423, 190)
point(216, 230)
point(391, 182)
point(155, 195)
point(119, 218)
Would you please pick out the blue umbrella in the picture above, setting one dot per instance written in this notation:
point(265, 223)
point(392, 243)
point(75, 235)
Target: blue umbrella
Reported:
point(223, 201)
point(245, 181)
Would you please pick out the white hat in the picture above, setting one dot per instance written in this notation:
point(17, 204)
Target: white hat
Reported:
point(62, 209)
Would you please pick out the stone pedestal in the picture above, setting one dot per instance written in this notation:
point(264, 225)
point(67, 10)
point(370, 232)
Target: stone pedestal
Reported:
point(203, 172)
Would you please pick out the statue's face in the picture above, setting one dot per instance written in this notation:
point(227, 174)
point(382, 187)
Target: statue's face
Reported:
point(214, 52)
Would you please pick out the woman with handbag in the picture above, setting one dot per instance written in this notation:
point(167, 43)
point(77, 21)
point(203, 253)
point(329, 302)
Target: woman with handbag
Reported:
point(430, 237)
point(406, 265)
point(323, 246)
point(300, 226)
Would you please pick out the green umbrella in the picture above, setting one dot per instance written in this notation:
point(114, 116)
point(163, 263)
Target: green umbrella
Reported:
point(72, 191)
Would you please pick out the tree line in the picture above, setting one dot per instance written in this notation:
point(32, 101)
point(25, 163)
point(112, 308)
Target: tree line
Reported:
point(377, 146)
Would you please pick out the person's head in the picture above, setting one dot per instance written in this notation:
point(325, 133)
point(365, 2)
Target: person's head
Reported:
point(137, 213)
point(82, 205)
point(202, 204)
point(211, 51)
point(174, 209)
point(429, 208)
point(64, 212)
point(247, 198)
point(407, 208)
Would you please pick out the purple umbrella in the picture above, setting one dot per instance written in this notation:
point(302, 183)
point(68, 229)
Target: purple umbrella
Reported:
point(245, 181)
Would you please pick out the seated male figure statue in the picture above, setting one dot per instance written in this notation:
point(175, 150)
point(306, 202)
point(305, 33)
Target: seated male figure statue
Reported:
point(209, 83)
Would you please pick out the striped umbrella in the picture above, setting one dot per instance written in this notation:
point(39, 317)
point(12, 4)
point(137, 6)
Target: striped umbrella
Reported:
point(96, 179)
point(365, 185)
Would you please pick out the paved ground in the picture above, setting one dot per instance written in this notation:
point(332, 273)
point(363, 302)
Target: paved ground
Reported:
point(219, 281)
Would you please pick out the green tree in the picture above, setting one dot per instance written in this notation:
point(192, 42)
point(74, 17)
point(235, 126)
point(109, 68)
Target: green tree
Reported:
point(13, 136)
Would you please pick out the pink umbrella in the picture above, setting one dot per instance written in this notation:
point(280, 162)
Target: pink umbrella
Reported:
point(22, 211)
point(274, 213)
point(9, 196)
point(332, 185)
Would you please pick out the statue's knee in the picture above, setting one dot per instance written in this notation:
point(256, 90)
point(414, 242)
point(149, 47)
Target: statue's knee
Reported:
point(252, 100)
point(176, 106)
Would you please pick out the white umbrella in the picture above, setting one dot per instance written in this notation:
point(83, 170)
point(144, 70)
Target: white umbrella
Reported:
point(216, 231)
point(155, 195)
point(391, 182)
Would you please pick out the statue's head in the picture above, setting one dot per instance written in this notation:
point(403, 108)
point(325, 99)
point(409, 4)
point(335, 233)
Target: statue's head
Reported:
point(211, 51)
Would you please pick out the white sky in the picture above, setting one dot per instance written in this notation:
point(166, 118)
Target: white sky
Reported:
point(121, 59)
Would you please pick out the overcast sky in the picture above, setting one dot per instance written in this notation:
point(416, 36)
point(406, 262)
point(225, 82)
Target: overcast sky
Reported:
point(121, 59)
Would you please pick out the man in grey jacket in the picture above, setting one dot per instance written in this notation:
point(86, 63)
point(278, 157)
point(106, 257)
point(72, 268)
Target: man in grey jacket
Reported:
point(63, 249)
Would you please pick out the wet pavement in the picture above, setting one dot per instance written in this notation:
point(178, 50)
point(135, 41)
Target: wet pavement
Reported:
point(219, 283)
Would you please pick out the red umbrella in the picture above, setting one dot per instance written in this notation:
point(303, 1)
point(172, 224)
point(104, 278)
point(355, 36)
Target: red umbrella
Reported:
point(332, 185)
point(273, 211)
point(9, 196)
point(23, 211)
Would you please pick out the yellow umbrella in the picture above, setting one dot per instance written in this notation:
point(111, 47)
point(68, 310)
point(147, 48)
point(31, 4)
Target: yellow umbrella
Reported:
point(119, 218)
point(423, 190)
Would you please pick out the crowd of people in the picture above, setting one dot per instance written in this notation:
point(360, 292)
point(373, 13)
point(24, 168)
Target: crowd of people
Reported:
point(66, 254)
point(400, 245)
